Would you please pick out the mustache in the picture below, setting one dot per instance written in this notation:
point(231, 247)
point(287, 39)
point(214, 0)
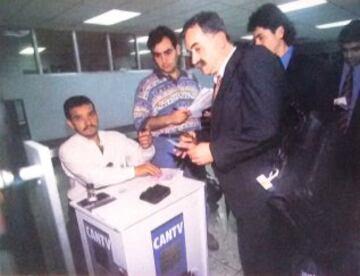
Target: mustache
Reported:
point(89, 126)
point(200, 64)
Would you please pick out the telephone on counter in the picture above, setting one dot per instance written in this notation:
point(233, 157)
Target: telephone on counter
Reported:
point(94, 200)
point(155, 193)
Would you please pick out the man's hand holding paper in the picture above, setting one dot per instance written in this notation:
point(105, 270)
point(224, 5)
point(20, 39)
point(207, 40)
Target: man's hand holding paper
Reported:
point(201, 102)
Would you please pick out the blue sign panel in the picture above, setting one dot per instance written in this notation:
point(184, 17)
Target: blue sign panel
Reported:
point(168, 241)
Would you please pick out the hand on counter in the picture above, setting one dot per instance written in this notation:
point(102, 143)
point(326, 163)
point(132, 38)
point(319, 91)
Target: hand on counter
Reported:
point(147, 169)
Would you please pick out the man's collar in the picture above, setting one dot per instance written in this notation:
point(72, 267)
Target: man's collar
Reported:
point(99, 134)
point(221, 71)
point(285, 59)
point(347, 67)
point(161, 75)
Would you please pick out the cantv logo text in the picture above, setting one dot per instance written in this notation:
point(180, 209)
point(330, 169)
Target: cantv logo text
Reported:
point(97, 237)
point(168, 235)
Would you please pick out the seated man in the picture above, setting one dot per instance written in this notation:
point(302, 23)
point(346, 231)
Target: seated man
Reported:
point(101, 158)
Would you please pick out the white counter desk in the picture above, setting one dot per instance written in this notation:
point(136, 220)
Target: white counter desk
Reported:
point(129, 236)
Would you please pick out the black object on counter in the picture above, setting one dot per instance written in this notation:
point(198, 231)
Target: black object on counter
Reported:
point(155, 193)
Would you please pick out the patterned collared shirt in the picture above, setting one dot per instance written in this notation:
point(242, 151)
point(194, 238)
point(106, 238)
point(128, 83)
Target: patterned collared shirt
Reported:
point(160, 95)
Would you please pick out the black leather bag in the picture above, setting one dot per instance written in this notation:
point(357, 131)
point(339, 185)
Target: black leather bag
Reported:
point(296, 191)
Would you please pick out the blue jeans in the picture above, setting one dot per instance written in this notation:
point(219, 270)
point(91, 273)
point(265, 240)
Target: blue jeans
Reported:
point(164, 153)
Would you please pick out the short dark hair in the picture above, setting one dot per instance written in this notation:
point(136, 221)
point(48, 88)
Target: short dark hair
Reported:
point(350, 33)
point(75, 101)
point(156, 35)
point(269, 16)
point(209, 22)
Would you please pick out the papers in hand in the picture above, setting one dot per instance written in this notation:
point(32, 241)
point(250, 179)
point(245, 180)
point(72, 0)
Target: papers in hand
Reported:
point(174, 143)
point(177, 144)
point(201, 102)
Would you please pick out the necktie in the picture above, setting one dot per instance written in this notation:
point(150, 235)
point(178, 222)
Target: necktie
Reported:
point(346, 92)
point(217, 85)
point(347, 87)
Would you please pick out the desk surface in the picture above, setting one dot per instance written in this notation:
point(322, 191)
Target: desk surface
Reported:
point(127, 209)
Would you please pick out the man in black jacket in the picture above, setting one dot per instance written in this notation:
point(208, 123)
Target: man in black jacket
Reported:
point(307, 76)
point(308, 106)
point(346, 172)
point(311, 87)
point(244, 132)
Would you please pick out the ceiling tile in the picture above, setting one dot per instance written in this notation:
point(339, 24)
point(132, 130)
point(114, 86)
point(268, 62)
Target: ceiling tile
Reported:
point(70, 14)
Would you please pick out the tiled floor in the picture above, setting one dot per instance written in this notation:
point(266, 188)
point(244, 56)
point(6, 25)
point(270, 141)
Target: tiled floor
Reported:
point(225, 261)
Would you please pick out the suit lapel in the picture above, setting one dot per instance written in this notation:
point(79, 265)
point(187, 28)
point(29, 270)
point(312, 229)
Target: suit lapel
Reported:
point(225, 87)
point(229, 72)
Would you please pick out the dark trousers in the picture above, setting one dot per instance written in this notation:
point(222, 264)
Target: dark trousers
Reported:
point(264, 245)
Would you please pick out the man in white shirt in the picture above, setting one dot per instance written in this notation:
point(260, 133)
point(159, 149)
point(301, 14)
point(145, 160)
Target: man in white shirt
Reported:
point(101, 158)
point(97, 157)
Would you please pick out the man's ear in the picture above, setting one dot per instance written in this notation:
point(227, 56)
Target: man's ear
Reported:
point(280, 32)
point(220, 39)
point(70, 124)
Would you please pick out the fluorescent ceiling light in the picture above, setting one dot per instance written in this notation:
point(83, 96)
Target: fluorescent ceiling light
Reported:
point(141, 52)
point(333, 24)
point(247, 37)
point(140, 39)
point(16, 33)
point(300, 4)
point(178, 30)
point(111, 17)
point(30, 51)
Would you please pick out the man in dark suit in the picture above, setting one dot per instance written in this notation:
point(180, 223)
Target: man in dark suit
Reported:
point(310, 91)
point(244, 135)
point(307, 120)
point(346, 174)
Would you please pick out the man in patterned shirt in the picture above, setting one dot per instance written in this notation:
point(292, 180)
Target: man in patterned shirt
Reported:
point(162, 98)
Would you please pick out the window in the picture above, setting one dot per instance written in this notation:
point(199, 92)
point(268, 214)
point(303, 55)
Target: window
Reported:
point(58, 55)
point(146, 60)
point(12, 42)
point(93, 51)
point(121, 49)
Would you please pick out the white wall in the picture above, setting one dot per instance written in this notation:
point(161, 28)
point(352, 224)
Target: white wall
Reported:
point(113, 94)
point(44, 95)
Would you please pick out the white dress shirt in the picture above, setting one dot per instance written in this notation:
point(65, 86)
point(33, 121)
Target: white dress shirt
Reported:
point(83, 161)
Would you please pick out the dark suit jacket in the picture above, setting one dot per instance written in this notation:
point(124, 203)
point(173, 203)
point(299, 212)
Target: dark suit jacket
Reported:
point(311, 83)
point(312, 87)
point(350, 158)
point(245, 126)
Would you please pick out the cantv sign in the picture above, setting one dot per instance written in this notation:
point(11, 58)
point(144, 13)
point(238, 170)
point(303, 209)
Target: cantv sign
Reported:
point(168, 242)
point(100, 249)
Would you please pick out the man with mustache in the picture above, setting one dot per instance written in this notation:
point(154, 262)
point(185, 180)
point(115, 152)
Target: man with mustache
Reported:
point(93, 156)
point(161, 103)
point(244, 136)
